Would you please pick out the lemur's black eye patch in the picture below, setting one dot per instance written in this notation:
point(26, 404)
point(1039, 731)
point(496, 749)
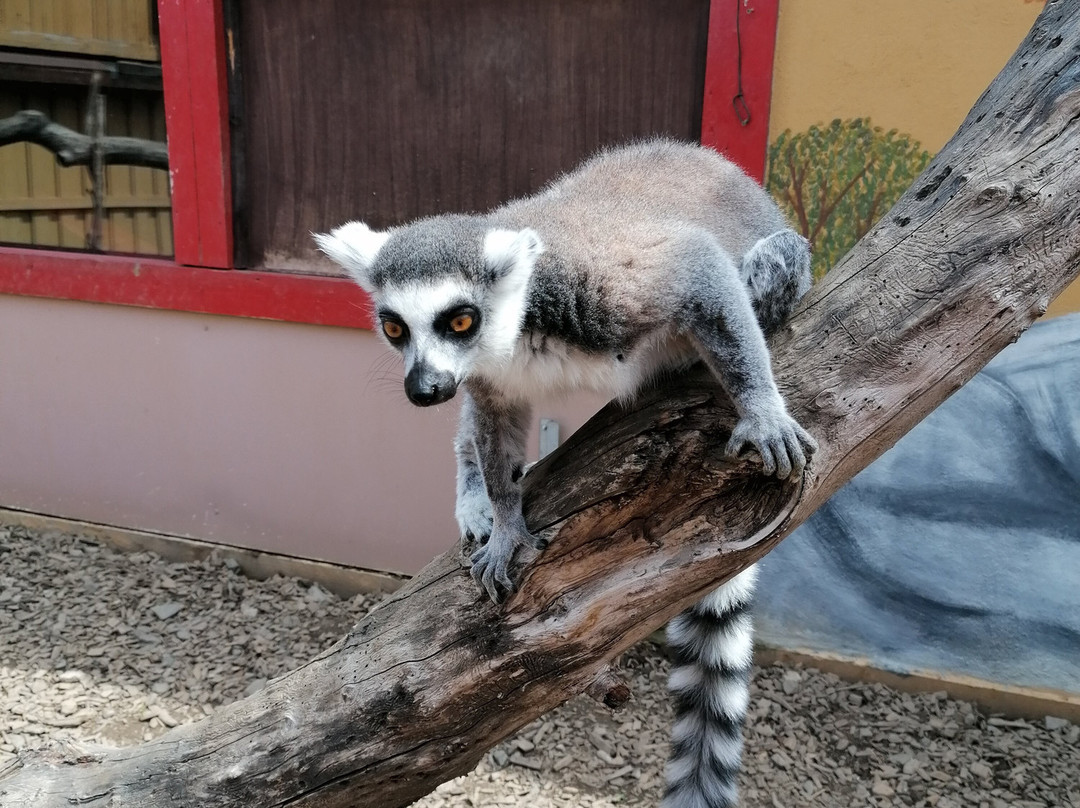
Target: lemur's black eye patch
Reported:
point(461, 321)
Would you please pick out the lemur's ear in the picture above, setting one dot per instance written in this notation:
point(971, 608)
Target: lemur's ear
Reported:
point(511, 252)
point(354, 245)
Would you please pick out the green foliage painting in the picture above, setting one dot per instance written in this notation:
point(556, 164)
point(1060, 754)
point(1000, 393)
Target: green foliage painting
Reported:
point(834, 182)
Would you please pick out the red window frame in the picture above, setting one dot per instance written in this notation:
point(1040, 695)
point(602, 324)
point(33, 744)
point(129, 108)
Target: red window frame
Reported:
point(202, 276)
point(740, 31)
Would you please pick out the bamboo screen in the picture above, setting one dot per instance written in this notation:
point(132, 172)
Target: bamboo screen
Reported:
point(122, 29)
point(42, 203)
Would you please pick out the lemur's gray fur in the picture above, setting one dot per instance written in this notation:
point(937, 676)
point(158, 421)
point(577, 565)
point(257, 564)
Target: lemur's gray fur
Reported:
point(646, 257)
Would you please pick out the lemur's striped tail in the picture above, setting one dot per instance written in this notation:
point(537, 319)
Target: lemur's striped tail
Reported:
point(713, 647)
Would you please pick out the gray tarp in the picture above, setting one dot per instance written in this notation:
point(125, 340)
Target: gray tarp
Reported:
point(959, 549)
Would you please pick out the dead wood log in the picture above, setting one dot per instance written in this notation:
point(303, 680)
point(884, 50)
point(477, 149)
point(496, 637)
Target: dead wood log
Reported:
point(76, 149)
point(644, 513)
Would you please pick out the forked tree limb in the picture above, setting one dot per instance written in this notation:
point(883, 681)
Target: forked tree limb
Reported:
point(644, 513)
point(76, 149)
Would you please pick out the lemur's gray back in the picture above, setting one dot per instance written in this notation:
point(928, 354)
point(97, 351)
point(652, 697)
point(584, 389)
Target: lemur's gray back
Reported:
point(619, 216)
point(627, 192)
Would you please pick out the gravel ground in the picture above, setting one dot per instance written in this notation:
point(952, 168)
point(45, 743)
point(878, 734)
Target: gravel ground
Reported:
point(115, 648)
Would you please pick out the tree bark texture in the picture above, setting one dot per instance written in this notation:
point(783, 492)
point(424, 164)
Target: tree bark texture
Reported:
point(644, 513)
point(75, 149)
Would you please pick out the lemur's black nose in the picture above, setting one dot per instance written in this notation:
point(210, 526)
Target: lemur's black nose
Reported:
point(423, 398)
point(425, 387)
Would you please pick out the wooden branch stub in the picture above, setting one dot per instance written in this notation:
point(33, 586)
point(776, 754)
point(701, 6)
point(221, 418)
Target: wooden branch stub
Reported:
point(609, 689)
point(76, 149)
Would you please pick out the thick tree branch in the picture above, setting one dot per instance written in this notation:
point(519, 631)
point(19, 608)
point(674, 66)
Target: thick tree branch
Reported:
point(74, 149)
point(644, 513)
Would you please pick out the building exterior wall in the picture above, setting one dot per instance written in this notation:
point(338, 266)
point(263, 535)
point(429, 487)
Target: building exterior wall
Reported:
point(288, 438)
point(913, 65)
point(296, 438)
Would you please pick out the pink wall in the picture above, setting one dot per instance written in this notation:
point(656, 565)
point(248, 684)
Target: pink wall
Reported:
point(287, 438)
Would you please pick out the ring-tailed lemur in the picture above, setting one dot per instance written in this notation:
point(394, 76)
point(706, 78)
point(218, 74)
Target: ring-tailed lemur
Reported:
point(644, 258)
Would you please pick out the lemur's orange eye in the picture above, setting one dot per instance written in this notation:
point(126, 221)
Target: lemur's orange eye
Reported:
point(461, 323)
point(392, 329)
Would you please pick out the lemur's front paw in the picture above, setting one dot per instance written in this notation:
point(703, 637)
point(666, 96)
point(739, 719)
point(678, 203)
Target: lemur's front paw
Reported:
point(491, 563)
point(473, 513)
point(784, 446)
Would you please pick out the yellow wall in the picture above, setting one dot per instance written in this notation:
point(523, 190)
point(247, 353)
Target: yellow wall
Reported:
point(913, 65)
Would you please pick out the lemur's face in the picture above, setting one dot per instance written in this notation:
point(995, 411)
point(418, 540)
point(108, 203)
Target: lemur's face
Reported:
point(449, 294)
point(438, 328)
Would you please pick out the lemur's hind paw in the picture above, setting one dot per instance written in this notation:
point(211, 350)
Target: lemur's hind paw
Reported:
point(491, 563)
point(784, 446)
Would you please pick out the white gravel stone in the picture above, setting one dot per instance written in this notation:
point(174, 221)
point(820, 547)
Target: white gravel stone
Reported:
point(812, 741)
point(164, 611)
point(526, 762)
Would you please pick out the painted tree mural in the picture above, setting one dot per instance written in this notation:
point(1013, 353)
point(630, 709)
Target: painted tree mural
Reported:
point(835, 181)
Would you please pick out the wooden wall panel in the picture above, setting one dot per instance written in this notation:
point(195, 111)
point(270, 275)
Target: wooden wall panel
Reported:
point(72, 183)
point(14, 220)
point(42, 185)
point(386, 110)
point(123, 29)
point(144, 220)
point(160, 187)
